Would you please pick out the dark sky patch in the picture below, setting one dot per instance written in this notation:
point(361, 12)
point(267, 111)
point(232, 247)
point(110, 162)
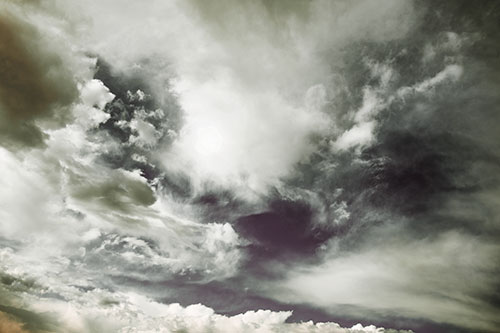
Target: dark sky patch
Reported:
point(214, 203)
point(286, 227)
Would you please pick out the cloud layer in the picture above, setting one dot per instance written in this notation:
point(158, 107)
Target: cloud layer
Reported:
point(249, 166)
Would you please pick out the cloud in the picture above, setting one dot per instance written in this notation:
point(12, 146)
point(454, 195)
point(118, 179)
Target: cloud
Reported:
point(7, 324)
point(421, 278)
point(358, 135)
point(95, 93)
point(36, 84)
point(120, 202)
point(51, 197)
point(338, 158)
point(450, 72)
point(226, 139)
point(381, 96)
point(244, 107)
point(100, 310)
point(411, 139)
point(198, 318)
point(264, 119)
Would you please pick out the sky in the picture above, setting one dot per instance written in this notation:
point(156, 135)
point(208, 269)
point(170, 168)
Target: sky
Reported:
point(249, 166)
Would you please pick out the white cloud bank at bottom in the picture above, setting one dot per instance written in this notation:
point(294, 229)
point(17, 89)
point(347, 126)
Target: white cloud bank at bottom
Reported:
point(104, 311)
point(156, 317)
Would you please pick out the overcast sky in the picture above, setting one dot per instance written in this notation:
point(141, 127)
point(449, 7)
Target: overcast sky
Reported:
point(249, 166)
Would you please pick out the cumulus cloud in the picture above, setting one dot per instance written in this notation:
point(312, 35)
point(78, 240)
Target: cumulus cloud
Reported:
point(95, 93)
point(100, 310)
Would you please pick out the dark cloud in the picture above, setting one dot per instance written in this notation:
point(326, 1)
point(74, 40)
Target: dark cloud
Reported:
point(119, 192)
point(29, 321)
point(35, 84)
point(14, 316)
point(9, 324)
point(15, 284)
point(433, 165)
point(429, 146)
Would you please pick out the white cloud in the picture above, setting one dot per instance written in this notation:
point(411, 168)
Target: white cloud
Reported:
point(105, 311)
point(358, 135)
point(451, 73)
point(95, 93)
point(232, 136)
point(380, 96)
point(415, 278)
point(375, 99)
point(251, 86)
point(146, 133)
point(55, 199)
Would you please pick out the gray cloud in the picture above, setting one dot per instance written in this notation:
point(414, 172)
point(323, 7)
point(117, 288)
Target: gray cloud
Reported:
point(35, 84)
point(420, 190)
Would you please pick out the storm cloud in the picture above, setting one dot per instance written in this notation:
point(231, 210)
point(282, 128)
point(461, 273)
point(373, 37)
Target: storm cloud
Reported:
point(35, 84)
point(249, 166)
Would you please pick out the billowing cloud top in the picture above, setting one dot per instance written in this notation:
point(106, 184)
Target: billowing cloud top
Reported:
point(249, 166)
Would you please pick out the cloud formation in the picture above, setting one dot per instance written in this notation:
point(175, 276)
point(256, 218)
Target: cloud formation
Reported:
point(273, 161)
point(35, 83)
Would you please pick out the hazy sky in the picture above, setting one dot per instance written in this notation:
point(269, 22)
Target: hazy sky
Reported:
point(249, 166)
